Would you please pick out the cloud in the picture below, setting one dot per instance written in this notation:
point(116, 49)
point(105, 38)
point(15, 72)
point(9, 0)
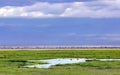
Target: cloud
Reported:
point(44, 25)
point(110, 37)
point(92, 9)
point(10, 24)
point(72, 34)
point(104, 37)
point(29, 2)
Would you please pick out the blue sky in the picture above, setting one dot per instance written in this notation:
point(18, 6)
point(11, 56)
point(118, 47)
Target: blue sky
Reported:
point(61, 22)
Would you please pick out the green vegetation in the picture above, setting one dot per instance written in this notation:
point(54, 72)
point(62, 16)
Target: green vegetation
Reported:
point(11, 62)
point(102, 64)
point(97, 64)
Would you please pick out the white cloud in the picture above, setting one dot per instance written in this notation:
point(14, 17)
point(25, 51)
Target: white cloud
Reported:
point(72, 34)
point(44, 25)
point(110, 37)
point(105, 37)
point(10, 24)
point(93, 9)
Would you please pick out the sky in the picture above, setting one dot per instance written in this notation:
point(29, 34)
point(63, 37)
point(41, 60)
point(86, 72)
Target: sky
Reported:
point(59, 22)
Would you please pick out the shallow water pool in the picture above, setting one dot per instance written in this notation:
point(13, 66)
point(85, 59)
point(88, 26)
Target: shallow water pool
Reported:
point(53, 62)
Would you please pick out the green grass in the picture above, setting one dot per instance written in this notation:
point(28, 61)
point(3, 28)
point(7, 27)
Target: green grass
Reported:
point(97, 64)
point(10, 61)
point(44, 54)
point(101, 64)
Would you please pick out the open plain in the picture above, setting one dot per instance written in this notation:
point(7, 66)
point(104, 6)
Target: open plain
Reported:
point(12, 61)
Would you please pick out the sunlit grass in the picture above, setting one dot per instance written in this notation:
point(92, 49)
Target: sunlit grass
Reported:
point(10, 61)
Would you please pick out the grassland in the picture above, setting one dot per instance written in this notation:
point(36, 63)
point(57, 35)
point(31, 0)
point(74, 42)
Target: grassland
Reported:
point(10, 60)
